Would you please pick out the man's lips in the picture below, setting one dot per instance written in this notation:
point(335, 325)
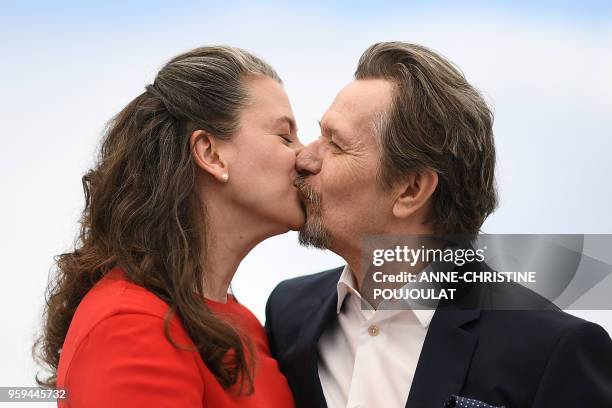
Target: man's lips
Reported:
point(297, 185)
point(306, 194)
point(301, 197)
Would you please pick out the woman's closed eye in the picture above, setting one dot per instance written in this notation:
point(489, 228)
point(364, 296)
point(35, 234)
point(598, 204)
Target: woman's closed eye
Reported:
point(286, 138)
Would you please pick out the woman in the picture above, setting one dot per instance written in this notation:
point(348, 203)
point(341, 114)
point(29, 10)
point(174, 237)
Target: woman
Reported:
point(192, 174)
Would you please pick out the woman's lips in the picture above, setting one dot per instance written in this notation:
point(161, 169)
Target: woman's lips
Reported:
point(301, 198)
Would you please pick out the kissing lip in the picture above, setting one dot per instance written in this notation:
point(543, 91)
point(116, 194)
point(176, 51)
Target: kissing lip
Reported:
point(299, 185)
point(303, 199)
point(303, 206)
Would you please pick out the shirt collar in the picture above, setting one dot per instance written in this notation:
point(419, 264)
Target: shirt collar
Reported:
point(424, 316)
point(346, 286)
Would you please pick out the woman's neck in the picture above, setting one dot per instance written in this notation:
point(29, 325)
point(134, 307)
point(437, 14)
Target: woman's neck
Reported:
point(223, 256)
point(231, 235)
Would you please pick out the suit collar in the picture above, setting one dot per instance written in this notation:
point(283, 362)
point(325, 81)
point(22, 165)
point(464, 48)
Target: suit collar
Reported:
point(317, 319)
point(448, 349)
point(445, 358)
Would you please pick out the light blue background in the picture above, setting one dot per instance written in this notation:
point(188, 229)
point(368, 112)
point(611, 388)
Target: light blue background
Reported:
point(68, 67)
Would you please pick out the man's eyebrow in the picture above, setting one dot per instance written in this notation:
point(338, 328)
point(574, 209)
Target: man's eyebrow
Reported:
point(331, 131)
point(325, 128)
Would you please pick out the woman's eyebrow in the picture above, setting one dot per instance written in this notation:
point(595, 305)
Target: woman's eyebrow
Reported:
point(279, 121)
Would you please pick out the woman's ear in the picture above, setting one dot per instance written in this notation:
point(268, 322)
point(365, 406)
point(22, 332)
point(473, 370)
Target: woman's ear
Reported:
point(414, 192)
point(206, 152)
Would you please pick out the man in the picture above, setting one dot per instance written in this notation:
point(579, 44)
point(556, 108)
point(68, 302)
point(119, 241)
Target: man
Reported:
point(407, 148)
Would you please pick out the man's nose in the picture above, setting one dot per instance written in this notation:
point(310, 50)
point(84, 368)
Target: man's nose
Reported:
point(309, 159)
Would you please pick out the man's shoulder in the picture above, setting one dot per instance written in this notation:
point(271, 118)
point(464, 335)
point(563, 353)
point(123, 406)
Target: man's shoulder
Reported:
point(537, 329)
point(510, 310)
point(305, 291)
point(309, 286)
point(535, 313)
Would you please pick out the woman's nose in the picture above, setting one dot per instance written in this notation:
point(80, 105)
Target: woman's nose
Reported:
point(297, 146)
point(308, 158)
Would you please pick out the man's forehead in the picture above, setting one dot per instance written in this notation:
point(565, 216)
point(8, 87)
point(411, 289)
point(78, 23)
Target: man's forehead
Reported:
point(357, 105)
point(365, 96)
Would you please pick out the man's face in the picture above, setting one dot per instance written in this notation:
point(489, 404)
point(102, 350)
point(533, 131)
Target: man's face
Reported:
point(340, 190)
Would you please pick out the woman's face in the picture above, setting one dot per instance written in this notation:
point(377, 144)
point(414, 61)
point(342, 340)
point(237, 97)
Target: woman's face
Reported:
point(261, 158)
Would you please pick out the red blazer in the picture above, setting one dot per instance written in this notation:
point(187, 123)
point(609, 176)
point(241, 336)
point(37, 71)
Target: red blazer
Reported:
point(116, 355)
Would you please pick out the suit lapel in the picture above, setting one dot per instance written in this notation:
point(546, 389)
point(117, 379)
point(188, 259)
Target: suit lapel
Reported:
point(310, 394)
point(445, 358)
point(448, 348)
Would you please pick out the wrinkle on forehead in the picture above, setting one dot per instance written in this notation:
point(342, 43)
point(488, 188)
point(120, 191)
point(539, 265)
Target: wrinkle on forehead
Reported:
point(359, 107)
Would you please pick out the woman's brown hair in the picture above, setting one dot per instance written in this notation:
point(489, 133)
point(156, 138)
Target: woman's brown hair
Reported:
point(142, 213)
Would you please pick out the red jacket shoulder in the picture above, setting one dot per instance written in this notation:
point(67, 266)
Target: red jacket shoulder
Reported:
point(120, 314)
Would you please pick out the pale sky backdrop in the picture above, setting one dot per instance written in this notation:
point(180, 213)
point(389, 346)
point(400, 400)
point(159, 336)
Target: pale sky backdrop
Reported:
point(67, 68)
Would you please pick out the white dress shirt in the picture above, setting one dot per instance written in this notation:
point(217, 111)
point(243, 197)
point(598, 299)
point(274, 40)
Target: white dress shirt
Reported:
point(369, 357)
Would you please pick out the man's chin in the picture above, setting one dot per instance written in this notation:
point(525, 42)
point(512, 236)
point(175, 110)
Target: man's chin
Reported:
point(313, 234)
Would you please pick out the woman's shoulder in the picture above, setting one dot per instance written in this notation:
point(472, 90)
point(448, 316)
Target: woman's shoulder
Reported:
point(114, 294)
point(116, 352)
point(119, 311)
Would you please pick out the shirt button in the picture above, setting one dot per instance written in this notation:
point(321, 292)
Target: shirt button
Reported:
point(373, 330)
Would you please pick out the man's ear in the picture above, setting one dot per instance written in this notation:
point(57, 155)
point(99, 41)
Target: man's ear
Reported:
point(205, 149)
point(414, 192)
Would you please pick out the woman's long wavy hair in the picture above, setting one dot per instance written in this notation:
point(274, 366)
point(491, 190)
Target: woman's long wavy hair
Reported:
point(142, 214)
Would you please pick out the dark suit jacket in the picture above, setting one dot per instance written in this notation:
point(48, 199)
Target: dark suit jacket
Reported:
point(517, 358)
